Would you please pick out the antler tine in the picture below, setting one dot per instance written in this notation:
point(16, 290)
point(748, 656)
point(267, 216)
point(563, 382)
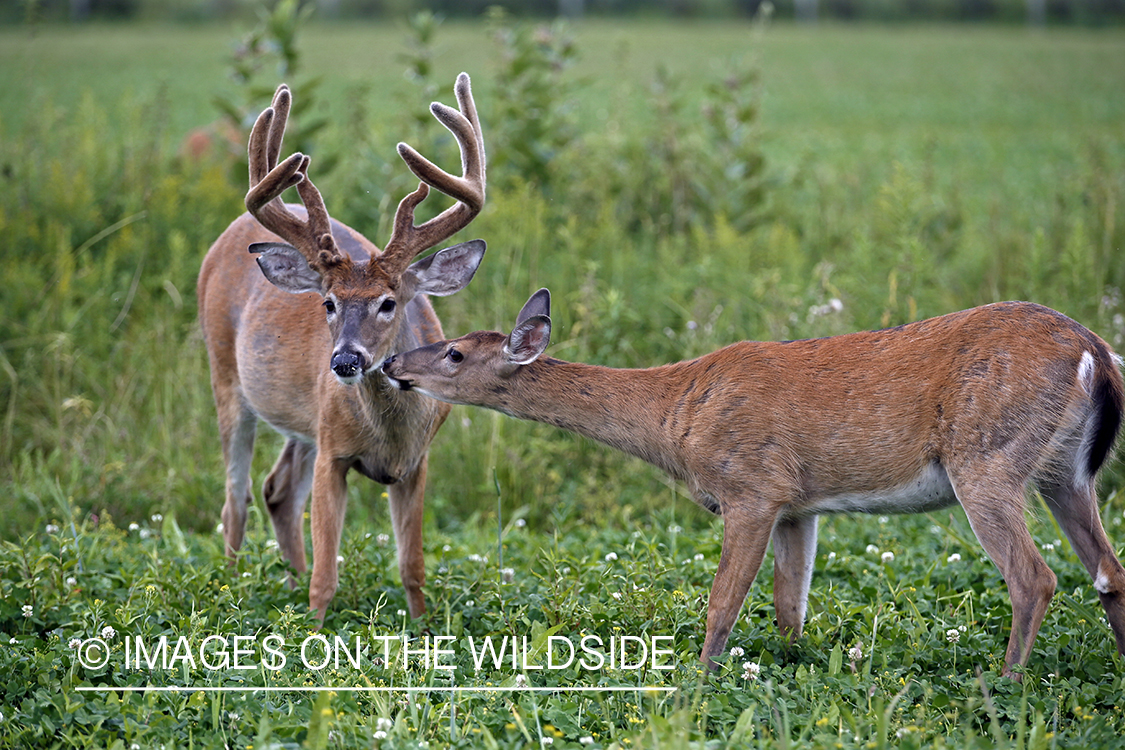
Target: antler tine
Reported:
point(282, 102)
point(268, 180)
point(408, 240)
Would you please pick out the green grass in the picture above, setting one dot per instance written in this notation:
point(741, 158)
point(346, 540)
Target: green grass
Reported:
point(909, 172)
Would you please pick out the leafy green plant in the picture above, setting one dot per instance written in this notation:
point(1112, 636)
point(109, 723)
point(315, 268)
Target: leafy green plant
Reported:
point(532, 121)
point(266, 56)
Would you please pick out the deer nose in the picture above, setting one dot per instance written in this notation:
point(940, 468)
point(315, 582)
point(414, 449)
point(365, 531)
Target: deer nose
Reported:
point(346, 364)
point(387, 362)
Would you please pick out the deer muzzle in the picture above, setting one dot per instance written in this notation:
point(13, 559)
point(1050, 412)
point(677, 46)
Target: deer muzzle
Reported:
point(348, 365)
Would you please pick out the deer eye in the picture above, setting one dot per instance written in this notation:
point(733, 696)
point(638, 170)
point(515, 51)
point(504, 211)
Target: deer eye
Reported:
point(387, 306)
point(330, 306)
point(454, 356)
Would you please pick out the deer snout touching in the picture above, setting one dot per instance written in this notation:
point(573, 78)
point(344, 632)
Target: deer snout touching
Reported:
point(387, 368)
point(349, 365)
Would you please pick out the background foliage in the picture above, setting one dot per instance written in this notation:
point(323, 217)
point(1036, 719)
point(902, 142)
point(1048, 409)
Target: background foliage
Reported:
point(678, 187)
point(1038, 12)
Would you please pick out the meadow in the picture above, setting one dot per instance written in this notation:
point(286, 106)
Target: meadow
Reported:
point(678, 187)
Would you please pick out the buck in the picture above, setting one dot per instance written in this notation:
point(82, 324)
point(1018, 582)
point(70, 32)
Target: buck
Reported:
point(969, 407)
point(296, 339)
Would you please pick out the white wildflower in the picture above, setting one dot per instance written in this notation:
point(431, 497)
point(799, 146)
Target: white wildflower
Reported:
point(888, 557)
point(751, 670)
point(145, 533)
point(134, 527)
point(698, 556)
point(246, 574)
point(883, 519)
point(547, 740)
point(402, 613)
point(611, 557)
point(521, 522)
point(384, 723)
point(737, 652)
point(74, 643)
point(157, 517)
point(587, 740)
point(521, 681)
point(872, 549)
point(380, 735)
point(953, 558)
point(28, 610)
point(108, 632)
point(831, 556)
point(855, 653)
point(1048, 546)
point(673, 529)
point(382, 540)
point(507, 574)
point(339, 559)
point(271, 544)
point(52, 528)
point(219, 529)
point(953, 635)
point(617, 595)
point(72, 581)
point(445, 548)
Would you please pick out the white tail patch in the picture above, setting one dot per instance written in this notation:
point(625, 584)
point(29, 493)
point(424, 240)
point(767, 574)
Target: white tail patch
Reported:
point(1086, 372)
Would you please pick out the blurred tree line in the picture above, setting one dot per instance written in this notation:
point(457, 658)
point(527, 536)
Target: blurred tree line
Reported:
point(1084, 12)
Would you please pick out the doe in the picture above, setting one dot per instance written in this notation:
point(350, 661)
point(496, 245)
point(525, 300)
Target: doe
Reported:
point(969, 407)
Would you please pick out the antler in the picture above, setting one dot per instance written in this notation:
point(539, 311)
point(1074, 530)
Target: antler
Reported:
point(268, 180)
point(407, 240)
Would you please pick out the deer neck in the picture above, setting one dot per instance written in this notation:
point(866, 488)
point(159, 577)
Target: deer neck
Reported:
point(623, 408)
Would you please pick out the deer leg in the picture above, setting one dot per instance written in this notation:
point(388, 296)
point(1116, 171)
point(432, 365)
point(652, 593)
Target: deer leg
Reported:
point(285, 491)
point(237, 428)
point(744, 545)
point(329, 499)
point(995, 511)
point(1076, 510)
point(794, 552)
point(406, 501)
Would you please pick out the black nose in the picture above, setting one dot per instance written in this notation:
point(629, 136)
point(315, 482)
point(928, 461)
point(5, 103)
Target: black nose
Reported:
point(346, 363)
point(387, 362)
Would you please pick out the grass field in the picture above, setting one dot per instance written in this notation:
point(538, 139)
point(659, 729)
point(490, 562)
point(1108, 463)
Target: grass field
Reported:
point(905, 171)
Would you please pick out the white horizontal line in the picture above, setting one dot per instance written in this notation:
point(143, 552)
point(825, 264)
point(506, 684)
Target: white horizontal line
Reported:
point(275, 689)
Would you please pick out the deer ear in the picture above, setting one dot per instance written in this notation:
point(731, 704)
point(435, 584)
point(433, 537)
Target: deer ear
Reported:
point(528, 340)
point(286, 268)
point(538, 304)
point(447, 271)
